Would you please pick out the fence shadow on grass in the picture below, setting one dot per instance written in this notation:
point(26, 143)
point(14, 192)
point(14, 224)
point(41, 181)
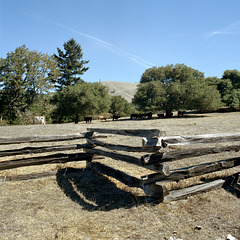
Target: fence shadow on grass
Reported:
point(232, 185)
point(95, 192)
point(234, 191)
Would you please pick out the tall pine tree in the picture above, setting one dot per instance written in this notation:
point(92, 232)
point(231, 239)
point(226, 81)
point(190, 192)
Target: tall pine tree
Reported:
point(70, 64)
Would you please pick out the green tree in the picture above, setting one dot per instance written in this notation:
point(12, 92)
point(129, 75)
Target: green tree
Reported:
point(233, 98)
point(120, 106)
point(229, 94)
point(82, 99)
point(150, 96)
point(43, 107)
point(41, 71)
point(171, 73)
point(13, 82)
point(24, 75)
point(175, 96)
point(175, 87)
point(70, 64)
point(233, 76)
point(102, 97)
point(200, 96)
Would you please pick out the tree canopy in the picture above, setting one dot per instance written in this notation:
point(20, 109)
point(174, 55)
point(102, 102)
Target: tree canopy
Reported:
point(233, 76)
point(70, 64)
point(175, 87)
point(171, 73)
point(227, 87)
point(120, 106)
point(81, 100)
point(150, 96)
point(24, 76)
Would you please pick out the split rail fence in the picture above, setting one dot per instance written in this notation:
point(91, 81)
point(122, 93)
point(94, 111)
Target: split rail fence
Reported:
point(156, 158)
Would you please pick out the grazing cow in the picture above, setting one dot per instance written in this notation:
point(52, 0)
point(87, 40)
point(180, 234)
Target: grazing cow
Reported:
point(88, 119)
point(134, 115)
point(181, 113)
point(141, 115)
point(39, 120)
point(160, 115)
point(137, 116)
point(101, 118)
point(148, 115)
point(169, 114)
point(115, 117)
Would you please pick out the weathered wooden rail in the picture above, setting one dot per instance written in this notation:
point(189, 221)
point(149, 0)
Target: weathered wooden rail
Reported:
point(154, 145)
point(49, 159)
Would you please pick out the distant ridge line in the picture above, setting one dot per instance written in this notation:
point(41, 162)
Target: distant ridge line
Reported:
point(124, 89)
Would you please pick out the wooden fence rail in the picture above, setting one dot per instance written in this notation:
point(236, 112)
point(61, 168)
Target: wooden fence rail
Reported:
point(154, 142)
point(157, 142)
point(55, 158)
point(32, 150)
point(34, 139)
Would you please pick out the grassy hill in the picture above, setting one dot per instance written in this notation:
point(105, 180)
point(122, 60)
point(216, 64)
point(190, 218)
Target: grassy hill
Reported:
point(126, 90)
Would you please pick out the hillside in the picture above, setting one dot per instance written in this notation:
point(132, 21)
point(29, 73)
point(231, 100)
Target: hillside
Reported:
point(126, 90)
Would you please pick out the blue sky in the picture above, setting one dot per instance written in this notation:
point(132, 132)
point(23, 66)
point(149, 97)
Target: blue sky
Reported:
point(122, 38)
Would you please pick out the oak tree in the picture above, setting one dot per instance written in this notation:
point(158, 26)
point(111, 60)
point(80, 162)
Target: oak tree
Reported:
point(24, 76)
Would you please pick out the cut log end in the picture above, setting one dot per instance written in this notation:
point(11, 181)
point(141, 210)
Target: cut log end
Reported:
point(151, 142)
point(155, 190)
point(150, 159)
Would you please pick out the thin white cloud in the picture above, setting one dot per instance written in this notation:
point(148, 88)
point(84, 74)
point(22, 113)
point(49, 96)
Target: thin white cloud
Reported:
point(105, 44)
point(140, 61)
point(232, 29)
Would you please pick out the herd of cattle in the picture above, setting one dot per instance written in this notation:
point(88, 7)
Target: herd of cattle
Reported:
point(137, 116)
point(89, 119)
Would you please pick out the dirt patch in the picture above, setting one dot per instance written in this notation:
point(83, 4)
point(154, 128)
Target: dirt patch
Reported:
point(73, 203)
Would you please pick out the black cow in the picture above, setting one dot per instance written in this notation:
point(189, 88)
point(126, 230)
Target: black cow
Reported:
point(140, 116)
point(160, 115)
point(115, 117)
point(88, 119)
point(181, 113)
point(137, 116)
point(148, 115)
point(133, 115)
point(169, 114)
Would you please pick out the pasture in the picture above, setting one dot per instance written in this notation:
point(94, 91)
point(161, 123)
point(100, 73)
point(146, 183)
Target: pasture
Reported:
point(73, 203)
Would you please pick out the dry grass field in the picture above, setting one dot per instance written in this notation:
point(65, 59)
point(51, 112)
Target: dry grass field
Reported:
point(124, 89)
point(77, 204)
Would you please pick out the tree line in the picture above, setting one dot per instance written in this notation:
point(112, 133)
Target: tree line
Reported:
point(33, 83)
point(179, 87)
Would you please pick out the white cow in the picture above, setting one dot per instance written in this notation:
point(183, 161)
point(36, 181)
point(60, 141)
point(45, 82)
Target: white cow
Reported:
point(39, 120)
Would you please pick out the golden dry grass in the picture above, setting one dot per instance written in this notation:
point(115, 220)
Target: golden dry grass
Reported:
point(124, 89)
point(78, 204)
